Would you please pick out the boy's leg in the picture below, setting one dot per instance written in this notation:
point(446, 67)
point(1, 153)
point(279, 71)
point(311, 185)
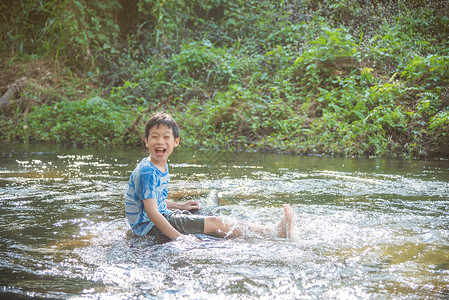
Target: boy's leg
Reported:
point(186, 223)
point(218, 227)
point(286, 226)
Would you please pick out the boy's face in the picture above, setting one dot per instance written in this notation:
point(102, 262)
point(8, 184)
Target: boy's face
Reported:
point(160, 143)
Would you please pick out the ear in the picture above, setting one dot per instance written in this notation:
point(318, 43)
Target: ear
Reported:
point(146, 142)
point(177, 140)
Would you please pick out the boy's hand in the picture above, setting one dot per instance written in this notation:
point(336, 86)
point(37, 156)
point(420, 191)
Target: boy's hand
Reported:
point(187, 238)
point(189, 205)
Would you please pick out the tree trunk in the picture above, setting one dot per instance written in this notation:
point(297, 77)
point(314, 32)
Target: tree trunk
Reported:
point(11, 93)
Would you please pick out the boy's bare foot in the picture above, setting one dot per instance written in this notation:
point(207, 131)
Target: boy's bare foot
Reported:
point(286, 226)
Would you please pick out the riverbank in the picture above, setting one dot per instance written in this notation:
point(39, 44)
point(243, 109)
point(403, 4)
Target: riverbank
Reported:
point(298, 77)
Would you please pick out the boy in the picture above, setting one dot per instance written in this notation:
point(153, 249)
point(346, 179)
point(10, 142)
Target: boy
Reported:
point(146, 204)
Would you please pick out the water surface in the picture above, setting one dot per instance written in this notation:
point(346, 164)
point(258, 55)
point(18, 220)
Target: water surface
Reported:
point(367, 228)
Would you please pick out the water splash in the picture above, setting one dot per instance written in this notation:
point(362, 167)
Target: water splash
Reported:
point(365, 229)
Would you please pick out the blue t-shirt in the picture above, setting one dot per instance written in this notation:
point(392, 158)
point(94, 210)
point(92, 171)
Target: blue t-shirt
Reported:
point(146, 182)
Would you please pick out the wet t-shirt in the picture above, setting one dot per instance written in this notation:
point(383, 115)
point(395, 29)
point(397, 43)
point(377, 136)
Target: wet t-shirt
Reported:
point(146, 182)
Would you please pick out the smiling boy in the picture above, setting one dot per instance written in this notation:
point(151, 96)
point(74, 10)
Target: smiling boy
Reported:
point(146, 205)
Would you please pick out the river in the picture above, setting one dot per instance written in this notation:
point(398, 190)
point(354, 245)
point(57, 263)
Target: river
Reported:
point(366, 228)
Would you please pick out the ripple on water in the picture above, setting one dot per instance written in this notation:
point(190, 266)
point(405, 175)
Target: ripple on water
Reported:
point(361, 234)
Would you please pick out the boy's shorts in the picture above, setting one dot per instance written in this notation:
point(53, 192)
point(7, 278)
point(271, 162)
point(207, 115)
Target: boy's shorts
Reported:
point(183, 221)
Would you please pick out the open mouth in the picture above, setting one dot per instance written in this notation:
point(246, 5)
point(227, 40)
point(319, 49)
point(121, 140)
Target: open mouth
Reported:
point(160, 151)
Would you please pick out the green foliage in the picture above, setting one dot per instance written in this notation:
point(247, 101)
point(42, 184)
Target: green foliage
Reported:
point(89, 121)
point(87, 28)
point(235, 119)
point(145, 85)
point(169, 18)
point(439, 132)
point(208, 64)
point(429, 71)
point(366, 76)
point(331, 45)
point(325, 58)
point(304, 77)
point(27, 26)
point(78, 29)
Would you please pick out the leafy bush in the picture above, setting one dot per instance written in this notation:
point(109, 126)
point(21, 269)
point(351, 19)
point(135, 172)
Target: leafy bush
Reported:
point(329, 56)
point(439, 132)
point(307, 77)
point(90, 121)
point(169, 18)
point(235, 119)
point(428, 72)
point(209, 64)
point(76, 29)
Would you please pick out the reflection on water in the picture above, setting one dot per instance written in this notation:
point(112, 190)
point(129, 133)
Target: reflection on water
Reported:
point(366, 228)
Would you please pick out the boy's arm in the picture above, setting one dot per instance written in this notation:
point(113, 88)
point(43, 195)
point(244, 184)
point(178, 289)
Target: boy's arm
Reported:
point(189, 205)
point(158, 219)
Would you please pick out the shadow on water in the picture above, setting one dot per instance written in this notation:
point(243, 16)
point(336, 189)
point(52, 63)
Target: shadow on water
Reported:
point(367, 228)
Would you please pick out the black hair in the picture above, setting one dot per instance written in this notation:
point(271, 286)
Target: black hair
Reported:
point(162, 119)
